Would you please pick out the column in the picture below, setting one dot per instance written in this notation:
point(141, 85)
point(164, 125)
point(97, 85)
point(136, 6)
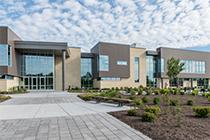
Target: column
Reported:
point(63, 69)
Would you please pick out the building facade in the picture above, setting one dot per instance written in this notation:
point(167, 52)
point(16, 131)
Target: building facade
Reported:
point(39, 65)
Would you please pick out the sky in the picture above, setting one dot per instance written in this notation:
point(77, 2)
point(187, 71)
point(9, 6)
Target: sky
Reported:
point(83, 23)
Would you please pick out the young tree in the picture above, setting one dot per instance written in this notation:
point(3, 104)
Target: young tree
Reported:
point(174, 67)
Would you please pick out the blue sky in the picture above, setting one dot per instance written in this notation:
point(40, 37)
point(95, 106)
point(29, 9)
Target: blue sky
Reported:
point(82, 23)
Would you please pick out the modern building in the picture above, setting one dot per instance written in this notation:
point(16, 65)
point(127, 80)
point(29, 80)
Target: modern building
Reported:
point(39, 65)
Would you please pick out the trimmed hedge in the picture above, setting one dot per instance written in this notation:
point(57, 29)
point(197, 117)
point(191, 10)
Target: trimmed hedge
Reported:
point(201, 111)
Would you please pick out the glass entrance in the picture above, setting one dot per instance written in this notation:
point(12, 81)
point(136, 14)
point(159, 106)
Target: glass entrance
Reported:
point(38, 71)
point(42, 83)
point(34, 83)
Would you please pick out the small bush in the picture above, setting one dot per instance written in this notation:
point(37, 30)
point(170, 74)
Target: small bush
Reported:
point(132, 112)
point(174, 102)
point(140, 91)
point(153, 109)
point(138, 102)
point(195, 92)
point(156, 101)
point(149, 117)
point(157, 91)
point(177, 91)
point(132, 97)
point(209, 98)
point(87, 96)
point(4, 98)
point(164, 91)
point(145, 100)
point(190, 102)
point(201, 111)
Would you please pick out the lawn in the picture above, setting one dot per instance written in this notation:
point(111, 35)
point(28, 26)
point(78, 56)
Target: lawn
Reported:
point(166, 114)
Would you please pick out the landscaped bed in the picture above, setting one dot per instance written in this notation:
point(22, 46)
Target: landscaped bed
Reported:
point(171, 124)
point(162, 114)
point(4, 98)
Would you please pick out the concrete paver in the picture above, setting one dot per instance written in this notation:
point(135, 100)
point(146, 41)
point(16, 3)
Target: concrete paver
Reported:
point(61, 116)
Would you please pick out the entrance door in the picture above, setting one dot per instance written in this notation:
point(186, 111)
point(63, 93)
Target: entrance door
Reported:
point(42, 83)
point(27, 82)
point(34, 83)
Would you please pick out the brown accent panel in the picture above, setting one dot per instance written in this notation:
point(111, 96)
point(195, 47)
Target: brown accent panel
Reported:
point(3, 35)
point(12, 37)
point(167, 53)
point(116, 52)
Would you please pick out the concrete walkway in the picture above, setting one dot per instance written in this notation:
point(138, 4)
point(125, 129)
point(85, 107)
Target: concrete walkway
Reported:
point(58, 116)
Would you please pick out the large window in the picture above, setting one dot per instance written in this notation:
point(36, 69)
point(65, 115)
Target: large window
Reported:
point(124, 63)
point(5, 55)
point(136, 69)
point(151, 81)
point(161, 65)
point(86, 73)
point(38, 70)
point(103, 63)
point(191, 66)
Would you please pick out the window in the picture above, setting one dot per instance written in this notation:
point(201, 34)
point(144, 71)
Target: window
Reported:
point(124, 63)
point(136, 69)
point(191, 66)
point(3, 55)
point(110, 78)
point(151, 67)
point(162, 65)
point(86, 73)
point(9, 56)
point(103, 63)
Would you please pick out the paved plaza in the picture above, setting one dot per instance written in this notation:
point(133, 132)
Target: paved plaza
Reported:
point(61, 116)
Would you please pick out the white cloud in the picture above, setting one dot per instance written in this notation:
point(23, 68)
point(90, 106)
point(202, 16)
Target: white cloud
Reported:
point(85, 22)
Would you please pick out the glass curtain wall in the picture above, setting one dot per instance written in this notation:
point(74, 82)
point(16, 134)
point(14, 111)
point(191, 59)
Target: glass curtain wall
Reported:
point(86, 73)
point(136, 69)
point(151, 68)
point(38, 71)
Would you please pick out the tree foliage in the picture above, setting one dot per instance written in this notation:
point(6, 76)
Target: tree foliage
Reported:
point(174, 67)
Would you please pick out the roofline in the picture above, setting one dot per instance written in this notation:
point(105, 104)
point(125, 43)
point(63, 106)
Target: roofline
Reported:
point(41, 45)
point(8, 28)
point(183, 50)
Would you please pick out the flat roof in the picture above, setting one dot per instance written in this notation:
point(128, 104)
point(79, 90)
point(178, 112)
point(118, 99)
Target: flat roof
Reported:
point(41, 45)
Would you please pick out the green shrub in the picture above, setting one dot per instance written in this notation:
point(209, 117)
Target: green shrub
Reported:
point(201, 111)
point(4, 98)
point(209, 98)
point(132, 97)
point(140, 91)
point(149, 117)
point(87, 96)
point(145, 99)
point(177, 91)
point(156, 101)
point(206, 94)
point(164, 91)
point(132, 112)
point(157, 91)
point(195, 92)
point(153, 109)
point(173, 102)
point(138, 102)
point(190, 102)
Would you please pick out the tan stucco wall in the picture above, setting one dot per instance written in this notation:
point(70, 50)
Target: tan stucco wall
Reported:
point(73, 67)
point(163, 81)
point(58, 73)
point(187, 83)
point(195, 83)
point(5, 85)
point(129, 82)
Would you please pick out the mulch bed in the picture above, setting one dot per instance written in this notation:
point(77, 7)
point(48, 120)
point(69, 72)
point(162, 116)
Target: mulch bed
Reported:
point(168, 126)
